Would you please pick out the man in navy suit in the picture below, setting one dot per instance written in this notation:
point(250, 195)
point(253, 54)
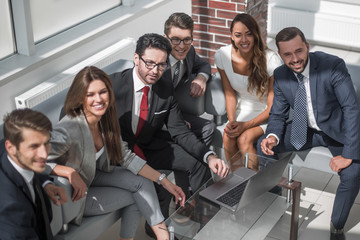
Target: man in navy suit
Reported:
point(332, 116)
point(25, 210)
point(194, 72)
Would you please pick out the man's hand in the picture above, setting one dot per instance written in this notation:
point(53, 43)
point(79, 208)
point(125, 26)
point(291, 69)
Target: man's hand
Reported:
point(218, 166)
point(79, 186)
point(188, 124)
point(198, 86)
point(267, 144)
point(338, 163)
point(56, 194)
point(176, 191)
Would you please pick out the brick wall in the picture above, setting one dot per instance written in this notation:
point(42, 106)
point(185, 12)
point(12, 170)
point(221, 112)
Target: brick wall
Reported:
point(212, 22)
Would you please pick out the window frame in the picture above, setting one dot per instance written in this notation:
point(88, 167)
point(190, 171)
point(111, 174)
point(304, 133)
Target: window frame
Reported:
point(31, 56)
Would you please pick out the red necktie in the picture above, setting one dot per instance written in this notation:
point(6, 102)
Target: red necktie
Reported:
point(144, 110)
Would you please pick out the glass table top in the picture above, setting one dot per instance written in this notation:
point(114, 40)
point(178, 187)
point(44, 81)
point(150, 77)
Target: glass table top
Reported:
point(203, 219)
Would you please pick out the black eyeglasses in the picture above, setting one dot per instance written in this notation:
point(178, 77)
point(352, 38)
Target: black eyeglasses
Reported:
point(176, 41)
point(151, 65)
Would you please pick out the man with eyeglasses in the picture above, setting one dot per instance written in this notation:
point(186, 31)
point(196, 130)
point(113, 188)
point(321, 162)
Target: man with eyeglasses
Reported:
point(188, 72)
point(142, 97)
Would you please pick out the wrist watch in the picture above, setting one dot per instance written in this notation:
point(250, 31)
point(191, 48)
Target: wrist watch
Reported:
point(161, 177)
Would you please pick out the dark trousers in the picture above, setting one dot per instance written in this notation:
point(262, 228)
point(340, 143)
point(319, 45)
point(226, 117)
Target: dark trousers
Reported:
point(349, 177)
point(193, 172)
point(201, 127)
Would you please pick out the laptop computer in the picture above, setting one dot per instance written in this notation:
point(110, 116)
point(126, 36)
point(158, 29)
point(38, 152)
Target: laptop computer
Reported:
point(242, 186)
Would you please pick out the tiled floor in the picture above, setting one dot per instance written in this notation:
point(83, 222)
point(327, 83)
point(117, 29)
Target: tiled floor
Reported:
point(318, 191)
point(317, 196)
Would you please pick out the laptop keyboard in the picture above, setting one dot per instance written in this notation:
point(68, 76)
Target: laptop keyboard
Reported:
point(233, 196)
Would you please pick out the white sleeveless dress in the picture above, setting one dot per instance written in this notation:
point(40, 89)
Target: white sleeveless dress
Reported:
point(248, 104)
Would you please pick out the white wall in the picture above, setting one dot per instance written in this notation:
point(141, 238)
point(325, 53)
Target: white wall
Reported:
point(325, 22)
point(23, 76)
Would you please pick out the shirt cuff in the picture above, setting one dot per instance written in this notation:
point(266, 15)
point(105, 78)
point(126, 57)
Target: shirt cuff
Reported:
point(274, 135)
point(207, 154)
point(205, 75)
point(46, 183)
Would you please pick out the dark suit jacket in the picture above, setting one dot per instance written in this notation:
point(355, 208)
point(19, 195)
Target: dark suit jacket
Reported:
point(333, 97)
point(163, 110)
point(17, 211)
point(194, 65)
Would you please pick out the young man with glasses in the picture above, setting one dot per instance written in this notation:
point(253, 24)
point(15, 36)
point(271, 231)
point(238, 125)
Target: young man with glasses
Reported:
point(183, 152)
point(187, 69)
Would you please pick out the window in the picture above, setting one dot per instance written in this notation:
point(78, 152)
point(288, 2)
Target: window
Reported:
point(49, 17)
point(6, 34)
point(30, 22)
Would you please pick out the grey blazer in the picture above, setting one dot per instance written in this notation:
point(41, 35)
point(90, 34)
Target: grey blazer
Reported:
point(72, 145)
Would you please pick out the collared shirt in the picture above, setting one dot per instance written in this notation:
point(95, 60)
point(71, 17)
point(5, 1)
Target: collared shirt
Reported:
point(138, 86)
point(173, 62)
point(28, 176)
point(138, 93)
point(310, 110)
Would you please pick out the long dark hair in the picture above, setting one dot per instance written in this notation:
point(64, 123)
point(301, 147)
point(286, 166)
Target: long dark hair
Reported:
point(258, 78)
point(109, 124)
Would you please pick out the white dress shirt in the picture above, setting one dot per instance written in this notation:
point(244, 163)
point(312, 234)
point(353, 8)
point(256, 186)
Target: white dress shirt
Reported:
point(310, 111)
point(28, 176)
point(138, 86)
point(173, 62)
point(138, 93)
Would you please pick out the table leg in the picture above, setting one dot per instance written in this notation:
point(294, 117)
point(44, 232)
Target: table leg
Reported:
point(295, 188)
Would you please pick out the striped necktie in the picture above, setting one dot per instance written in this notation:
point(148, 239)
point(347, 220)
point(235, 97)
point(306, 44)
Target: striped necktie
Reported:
point(176, 73)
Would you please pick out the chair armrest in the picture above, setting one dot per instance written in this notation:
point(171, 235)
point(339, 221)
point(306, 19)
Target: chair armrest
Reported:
point(69, 209)
point(215, 97)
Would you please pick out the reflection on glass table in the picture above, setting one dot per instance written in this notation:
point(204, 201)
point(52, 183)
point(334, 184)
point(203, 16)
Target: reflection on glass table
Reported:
point(201, 218)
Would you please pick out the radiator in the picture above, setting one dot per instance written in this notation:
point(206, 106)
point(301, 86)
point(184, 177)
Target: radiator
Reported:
point(333, 29)
point(124, 49)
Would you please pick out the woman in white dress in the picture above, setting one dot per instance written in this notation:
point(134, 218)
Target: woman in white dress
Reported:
point(246, 68)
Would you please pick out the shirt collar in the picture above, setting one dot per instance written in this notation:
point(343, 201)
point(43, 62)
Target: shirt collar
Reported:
point(28, 175)
point(306, 72)
point(173, 60)
point(138, 84)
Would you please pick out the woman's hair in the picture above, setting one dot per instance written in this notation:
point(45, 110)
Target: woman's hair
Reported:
point(109, 124)
point(258, 78)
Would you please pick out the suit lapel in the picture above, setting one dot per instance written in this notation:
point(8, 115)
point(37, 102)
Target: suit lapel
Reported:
point(15, 176)
point(187, 73)
point(88, 147)
point(313, 75)
point(128, 94)
point(291, 87)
